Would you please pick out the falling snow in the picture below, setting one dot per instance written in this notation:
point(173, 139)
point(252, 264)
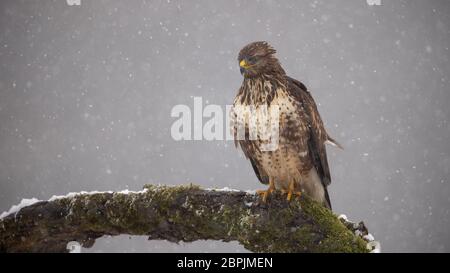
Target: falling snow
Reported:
point(86, 94)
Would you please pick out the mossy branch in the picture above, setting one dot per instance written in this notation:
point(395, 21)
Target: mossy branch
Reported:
point(179, 213)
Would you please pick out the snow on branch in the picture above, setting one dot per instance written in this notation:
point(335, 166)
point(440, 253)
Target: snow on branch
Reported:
point(180, 213)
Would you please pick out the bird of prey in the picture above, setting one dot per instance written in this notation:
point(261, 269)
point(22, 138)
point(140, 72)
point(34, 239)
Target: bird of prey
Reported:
point(299, 163)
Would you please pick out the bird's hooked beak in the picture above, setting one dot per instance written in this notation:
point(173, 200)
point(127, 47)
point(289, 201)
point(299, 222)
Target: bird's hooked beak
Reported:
point(243, 65)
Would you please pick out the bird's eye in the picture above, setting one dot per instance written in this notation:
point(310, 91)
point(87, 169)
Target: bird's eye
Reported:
point(252, 59)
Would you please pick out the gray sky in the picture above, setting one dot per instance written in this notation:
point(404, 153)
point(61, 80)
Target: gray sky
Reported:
point(86, 93)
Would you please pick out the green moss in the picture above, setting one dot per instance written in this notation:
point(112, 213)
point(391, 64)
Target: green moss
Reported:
point(338, 237)
point(319, 230)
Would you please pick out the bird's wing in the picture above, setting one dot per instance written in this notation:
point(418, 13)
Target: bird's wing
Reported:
point(260, 173)
point(246, 147)
point(318, 134)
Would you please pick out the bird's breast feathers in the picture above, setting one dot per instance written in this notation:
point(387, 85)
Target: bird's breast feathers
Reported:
point(259, 105)
point(291, 158)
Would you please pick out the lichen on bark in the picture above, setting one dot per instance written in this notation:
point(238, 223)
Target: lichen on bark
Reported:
point(179, 213)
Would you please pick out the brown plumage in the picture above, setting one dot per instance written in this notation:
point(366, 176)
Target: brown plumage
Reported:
point(299, 163)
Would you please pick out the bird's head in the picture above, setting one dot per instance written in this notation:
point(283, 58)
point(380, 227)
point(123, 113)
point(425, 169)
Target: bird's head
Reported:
point(258, 58)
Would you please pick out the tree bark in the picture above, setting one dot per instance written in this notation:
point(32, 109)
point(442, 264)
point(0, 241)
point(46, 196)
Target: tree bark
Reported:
point(181, 213)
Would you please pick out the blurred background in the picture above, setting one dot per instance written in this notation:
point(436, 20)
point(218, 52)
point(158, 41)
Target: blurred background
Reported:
point(86, 94)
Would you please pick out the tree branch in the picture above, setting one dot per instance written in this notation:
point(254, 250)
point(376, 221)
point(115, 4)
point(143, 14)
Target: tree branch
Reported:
point(180, 213)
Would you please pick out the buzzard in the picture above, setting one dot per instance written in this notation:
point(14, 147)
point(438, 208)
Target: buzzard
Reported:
point(299, 163)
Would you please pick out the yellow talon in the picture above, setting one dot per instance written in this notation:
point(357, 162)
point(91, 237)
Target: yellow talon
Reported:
point(265, 193)
point(291, 191)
